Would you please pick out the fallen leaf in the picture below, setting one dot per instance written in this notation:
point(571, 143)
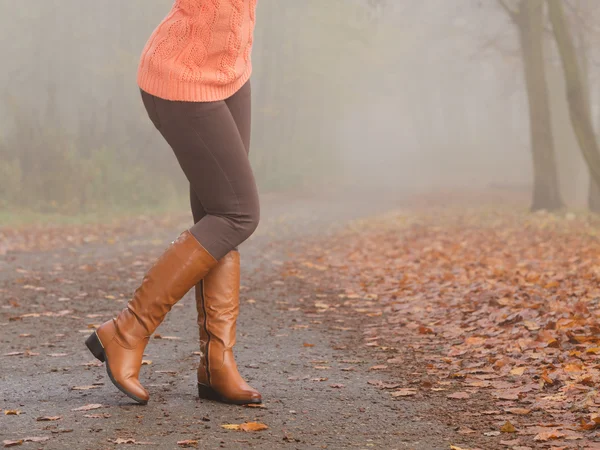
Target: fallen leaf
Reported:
point(247, 426)
point(36, 439)
point(188, 443)
point(404, 393)
point(89, 407)
point(508, 428)
point(518, 371)
point(492, 433)
point(119, 441)
point(506, 396)
point(253, 426)
point(459, 396)
point(12, 412)
point(48, 418)
point(548, 435)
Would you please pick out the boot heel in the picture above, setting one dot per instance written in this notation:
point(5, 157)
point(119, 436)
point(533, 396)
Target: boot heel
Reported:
point(207, 392)
point(95, 346)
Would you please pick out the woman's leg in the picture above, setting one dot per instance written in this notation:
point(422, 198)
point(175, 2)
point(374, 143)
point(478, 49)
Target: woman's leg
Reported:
point(212, 154)
point(217, 298)
point(205, 140)
point(239, 105)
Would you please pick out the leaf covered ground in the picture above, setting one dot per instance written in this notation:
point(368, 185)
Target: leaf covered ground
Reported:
point(494, 309)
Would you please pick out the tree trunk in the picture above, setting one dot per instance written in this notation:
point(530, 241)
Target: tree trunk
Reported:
point(584, 58)
point(546, 191)
point(579, 109)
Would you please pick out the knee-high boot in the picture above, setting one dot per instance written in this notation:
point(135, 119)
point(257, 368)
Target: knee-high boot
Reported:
point(120, 342)
point(217, 300)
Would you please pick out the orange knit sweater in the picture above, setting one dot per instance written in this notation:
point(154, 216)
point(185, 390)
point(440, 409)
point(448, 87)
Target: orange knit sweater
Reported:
point(200, 52)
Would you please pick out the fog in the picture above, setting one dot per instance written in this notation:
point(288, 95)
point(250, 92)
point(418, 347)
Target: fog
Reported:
point(409, 95)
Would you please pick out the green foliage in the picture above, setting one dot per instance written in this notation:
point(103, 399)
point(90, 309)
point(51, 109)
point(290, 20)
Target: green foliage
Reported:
point(43, 171)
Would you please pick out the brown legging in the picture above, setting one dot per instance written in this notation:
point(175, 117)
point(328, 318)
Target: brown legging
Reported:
point(211, 141)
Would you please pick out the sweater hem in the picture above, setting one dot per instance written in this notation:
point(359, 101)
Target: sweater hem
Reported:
point(190, 92)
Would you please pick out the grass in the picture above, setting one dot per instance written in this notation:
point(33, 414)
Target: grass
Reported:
point(28, 217)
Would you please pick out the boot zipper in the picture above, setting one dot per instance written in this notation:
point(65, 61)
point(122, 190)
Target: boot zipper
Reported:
point(206, 331)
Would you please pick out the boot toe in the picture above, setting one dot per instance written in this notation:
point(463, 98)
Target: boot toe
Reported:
point(254, 396)
point(133, 389)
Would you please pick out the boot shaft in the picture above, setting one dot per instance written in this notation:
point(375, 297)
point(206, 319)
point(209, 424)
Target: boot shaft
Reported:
point(173, 274)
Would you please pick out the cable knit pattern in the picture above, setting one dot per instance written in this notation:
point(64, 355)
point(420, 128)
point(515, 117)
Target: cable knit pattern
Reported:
point(234, 42)
point(250, 31)
point(200, 52)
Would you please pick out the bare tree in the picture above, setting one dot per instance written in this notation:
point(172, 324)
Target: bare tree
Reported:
point(528, 16)
point(578, 97)
point(546, 193)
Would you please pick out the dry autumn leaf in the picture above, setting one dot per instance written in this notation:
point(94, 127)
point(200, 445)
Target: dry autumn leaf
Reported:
point(188, 443)
point(518, 411)
point(36, 439)
point(508, 428)
point(253, 426)
point(518, 371)
point(548, 435)
point(459, 396)
point(89, 407)
point(247, 426)
point(120, 441)
point(404, 393)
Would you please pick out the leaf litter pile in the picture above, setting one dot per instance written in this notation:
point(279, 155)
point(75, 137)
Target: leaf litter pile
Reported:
point(496, 305)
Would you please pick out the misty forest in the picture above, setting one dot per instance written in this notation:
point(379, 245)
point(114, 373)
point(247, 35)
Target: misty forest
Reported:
point(425, 272)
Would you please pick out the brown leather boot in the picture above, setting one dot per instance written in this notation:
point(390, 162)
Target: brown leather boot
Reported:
point(217, 300)
point(121, 341)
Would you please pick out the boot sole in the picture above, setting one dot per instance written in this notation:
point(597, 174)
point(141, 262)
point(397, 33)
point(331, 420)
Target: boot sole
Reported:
point(208, 393)
point(95, 346)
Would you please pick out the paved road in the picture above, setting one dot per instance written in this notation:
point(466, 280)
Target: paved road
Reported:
point(73, 288)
